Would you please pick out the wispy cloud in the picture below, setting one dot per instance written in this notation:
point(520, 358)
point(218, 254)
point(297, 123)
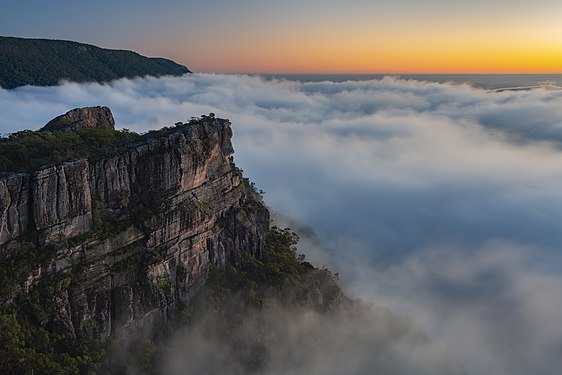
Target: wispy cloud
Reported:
point(496, 306)
point(441, 201)
point(363, 339)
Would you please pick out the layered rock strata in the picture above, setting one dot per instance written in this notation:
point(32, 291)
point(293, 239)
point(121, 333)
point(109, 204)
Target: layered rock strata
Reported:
point(135, 235)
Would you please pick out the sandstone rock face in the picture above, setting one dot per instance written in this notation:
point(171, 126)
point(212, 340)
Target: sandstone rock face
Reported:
point(14, 206)
point(62, 203)
point(135, 234)
point(82, 118)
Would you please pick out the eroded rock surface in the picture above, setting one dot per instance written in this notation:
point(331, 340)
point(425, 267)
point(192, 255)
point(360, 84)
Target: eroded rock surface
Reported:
point(135, 234)
point(81, 118)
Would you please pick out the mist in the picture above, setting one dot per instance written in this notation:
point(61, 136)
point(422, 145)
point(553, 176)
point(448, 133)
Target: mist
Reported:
point(440, 201)
point(279, 339)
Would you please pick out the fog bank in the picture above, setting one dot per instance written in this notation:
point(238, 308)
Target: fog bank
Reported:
point(439, 201)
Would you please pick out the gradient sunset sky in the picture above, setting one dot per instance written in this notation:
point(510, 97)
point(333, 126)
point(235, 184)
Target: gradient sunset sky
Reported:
point(311, 36)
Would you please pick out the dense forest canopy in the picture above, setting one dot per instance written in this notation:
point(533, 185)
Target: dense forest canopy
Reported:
point(43, 62)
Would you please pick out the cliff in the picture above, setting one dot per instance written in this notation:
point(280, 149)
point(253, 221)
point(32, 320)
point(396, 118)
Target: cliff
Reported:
point(44, 62)
point(151, 254)
point(122, 241)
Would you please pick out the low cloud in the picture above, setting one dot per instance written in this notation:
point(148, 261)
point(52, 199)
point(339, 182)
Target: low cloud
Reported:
point(495, 306)
point(440, 201)
point(276, 339)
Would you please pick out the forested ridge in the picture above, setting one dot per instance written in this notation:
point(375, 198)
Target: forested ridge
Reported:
point(44, 62)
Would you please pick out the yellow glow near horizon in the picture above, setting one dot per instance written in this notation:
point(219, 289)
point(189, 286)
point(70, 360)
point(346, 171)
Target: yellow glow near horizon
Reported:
point(459, 57)
point(498, 42)
point(316, 36)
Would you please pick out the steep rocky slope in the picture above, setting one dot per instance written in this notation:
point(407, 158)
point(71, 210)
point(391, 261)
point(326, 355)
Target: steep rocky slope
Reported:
point(122, 241)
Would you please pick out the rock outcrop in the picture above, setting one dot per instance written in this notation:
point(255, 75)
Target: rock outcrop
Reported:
point(133, 236)
point(82, 118)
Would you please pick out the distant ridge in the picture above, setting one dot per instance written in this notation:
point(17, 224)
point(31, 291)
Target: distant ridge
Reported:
point(45, 62)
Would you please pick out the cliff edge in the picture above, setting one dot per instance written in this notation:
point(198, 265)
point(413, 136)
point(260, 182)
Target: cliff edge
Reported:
point(123, 241)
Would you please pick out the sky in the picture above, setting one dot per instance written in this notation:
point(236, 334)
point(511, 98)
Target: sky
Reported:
point(438, 201)
point(311, 36)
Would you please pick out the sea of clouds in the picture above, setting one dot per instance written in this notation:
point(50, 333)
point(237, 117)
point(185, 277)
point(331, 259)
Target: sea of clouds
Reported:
point(440, 201)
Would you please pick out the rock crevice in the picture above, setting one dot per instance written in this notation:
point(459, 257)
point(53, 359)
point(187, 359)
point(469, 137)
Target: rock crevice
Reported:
point(135, 234)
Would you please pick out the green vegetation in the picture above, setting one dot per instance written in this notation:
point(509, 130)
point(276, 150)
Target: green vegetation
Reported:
point(231, 296)
point(106, 226)
point(163, 283)
point(26, 345)
point(253, 291)
point(42, 62)
point(27, 150)
point(252, 188)
point(29, 347)
point(279, 274)
point(14, 270)
point(33, 340)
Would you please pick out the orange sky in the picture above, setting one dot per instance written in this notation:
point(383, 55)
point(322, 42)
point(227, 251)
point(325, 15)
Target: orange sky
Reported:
point(422, 54)
point(313, 36)
point(504, 37)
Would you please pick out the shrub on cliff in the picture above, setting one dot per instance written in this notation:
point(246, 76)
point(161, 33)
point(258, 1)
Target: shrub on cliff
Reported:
point(230, 297)
point(27, 150)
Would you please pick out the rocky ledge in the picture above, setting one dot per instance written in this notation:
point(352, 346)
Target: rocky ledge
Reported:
point(123, 241)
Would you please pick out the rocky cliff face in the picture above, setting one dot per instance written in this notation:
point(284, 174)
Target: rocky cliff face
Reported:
point(132, 236)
